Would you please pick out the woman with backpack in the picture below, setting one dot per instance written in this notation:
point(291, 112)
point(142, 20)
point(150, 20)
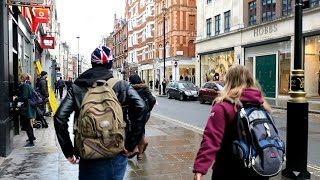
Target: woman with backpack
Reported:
point(150, 101)
point(219, 134)
point(27, 112)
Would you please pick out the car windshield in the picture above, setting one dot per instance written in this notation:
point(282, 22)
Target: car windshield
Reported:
point(186, 85)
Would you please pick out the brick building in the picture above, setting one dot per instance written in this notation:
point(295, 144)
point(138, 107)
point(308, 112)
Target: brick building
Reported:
point(140, 16)
point(119, 48)
point(180, 35)
point(260, 35)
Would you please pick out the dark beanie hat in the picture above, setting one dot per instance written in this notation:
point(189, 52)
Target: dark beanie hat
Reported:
point(102, 55)
point(43, 73)
point(135, 79)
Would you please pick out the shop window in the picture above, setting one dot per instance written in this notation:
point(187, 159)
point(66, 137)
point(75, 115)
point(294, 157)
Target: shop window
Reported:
point(286, 7)
point(252, 12)
point(217, 63)
point(268, 10)
point(209, 24)
point(217, 24)
point(312, 65)
point(314, 3)
point(227, 21)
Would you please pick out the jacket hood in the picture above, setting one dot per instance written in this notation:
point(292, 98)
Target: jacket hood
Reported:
point(139, 86)
point(90, 76)
point(251, 95)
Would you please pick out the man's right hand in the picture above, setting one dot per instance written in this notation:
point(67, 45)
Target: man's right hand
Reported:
point(73, 160)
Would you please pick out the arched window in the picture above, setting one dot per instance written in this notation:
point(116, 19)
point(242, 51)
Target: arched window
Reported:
point(167, 49)
point(160, 51)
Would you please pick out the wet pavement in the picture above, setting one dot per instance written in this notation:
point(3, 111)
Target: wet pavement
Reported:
point(170, 155)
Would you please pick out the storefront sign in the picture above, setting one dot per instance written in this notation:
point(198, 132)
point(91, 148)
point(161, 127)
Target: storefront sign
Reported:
point(29, 1)
point(47, 42)
point(41, 15)
point(265, 30)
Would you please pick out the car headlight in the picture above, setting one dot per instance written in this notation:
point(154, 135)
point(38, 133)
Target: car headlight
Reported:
point(187, 93)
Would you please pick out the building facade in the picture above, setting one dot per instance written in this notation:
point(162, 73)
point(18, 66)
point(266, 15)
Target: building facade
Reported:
point(178, 19)
point(261, 37)
point(120, 48)
point(140, 17)
point(23, 40)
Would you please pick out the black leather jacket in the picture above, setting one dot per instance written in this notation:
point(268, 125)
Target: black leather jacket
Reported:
point(134, 109)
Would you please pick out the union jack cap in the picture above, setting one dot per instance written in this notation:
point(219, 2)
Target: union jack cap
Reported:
point(101, 55)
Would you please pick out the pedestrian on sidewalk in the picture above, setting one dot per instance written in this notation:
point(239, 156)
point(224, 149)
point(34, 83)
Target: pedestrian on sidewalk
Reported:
point(27, 112)
point(133, 107)
point(216, 145)
point(61, 84)
point(150, 101)
point(43, 90)
point(56, 90)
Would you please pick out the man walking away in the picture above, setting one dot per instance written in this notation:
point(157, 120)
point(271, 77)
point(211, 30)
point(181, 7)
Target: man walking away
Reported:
point(61, 85)
point(43, 90)
point(149, 101)
point(95, 159)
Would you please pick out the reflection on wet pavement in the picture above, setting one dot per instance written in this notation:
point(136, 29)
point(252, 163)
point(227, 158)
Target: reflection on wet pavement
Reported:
point(170, 155)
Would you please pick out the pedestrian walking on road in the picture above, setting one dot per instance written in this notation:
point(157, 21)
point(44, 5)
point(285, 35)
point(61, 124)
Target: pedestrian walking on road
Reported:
point(216, 145)
point(102, 153)
point(150, 101)
point(61, 85)
point(27, 112)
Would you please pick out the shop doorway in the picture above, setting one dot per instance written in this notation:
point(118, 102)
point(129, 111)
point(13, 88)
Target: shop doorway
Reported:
point(266, 74)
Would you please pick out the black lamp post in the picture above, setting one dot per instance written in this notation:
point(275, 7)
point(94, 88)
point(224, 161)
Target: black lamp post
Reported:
point(297, 110)
point(164, 12)
point(78, 37)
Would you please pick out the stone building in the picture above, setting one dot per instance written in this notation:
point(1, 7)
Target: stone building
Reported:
point(260, 35)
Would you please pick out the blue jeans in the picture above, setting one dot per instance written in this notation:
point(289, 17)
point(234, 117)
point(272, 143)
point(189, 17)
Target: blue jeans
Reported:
point(103, 169)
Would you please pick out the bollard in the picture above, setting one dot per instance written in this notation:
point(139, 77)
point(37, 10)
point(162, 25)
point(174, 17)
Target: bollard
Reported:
point(159, 89)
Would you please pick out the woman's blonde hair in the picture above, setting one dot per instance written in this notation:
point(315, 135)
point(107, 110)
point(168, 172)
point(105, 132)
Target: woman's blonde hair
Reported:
point(238, 77)
point(25, 76)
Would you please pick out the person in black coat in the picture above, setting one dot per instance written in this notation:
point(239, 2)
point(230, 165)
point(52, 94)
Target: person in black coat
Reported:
point(150, 101)
point(43, 90)
point(133, 108)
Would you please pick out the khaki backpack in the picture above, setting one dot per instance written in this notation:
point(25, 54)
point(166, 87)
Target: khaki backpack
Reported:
point(100, 129)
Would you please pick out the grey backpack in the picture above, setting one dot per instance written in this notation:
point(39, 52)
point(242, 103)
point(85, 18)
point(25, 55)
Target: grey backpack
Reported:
point(258, 143)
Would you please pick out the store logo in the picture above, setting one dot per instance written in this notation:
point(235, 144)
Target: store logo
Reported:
point(47, 42)
point(265, 30)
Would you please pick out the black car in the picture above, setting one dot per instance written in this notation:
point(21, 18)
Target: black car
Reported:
point(182, 90)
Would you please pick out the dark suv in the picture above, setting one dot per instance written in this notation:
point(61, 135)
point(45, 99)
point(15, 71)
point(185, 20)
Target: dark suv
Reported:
point(209, 91)
point(182, 90)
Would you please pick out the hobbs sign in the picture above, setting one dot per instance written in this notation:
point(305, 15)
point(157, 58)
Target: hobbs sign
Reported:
point(265, 30)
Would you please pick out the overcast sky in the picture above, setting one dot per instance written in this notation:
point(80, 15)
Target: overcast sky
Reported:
point(90, 19)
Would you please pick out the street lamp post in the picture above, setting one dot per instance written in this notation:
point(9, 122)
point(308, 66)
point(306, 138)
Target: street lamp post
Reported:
point(164, 11)
point(78, 37)
point(297, 110)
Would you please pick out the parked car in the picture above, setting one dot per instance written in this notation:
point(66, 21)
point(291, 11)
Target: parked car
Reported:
point(182, 90)
point(209, 91)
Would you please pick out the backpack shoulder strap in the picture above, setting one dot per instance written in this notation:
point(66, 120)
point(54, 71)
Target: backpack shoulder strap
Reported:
point(112, 81)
